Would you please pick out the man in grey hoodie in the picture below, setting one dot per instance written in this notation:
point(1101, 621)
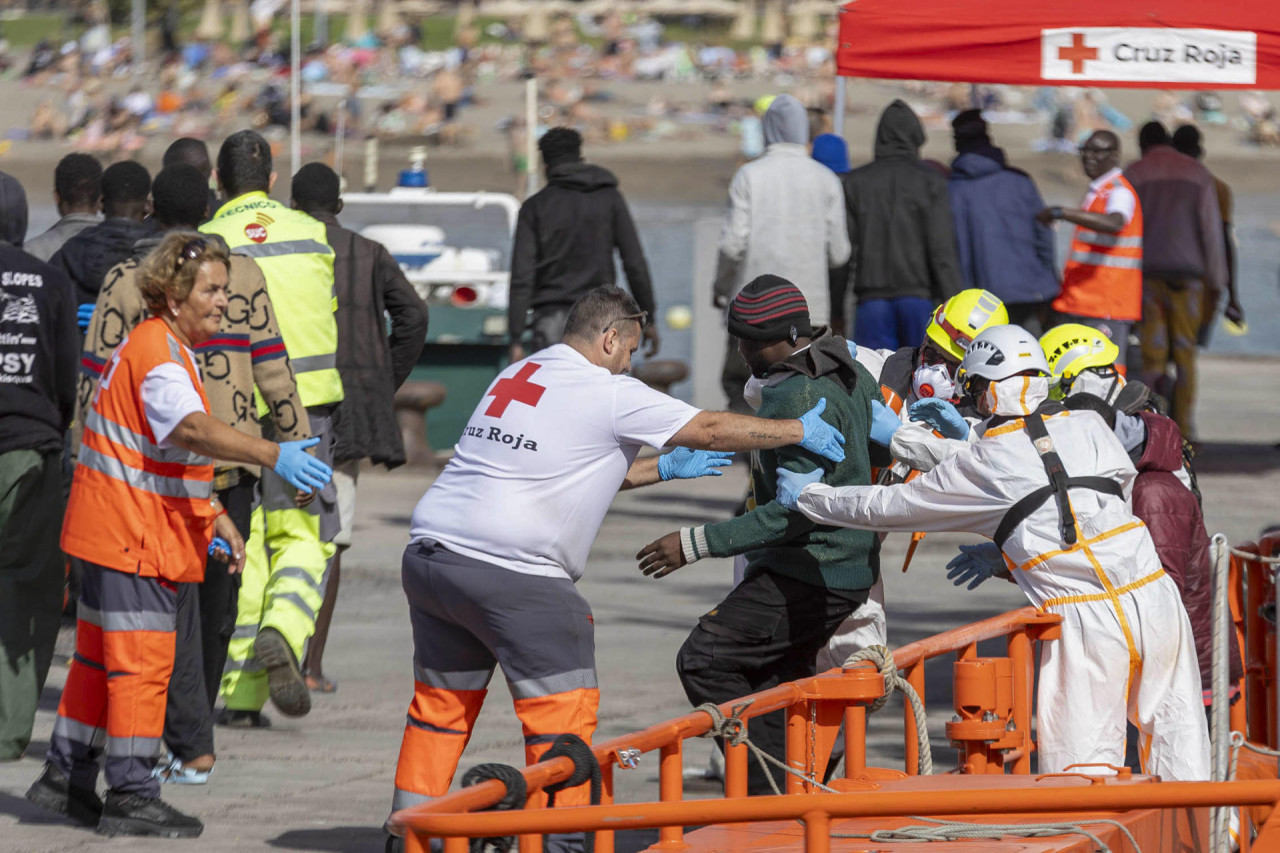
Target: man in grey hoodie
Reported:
point(904, 249)
point(786, 218)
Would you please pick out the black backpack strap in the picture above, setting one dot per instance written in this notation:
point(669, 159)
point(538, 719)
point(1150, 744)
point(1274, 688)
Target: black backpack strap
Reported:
point(1059, 484)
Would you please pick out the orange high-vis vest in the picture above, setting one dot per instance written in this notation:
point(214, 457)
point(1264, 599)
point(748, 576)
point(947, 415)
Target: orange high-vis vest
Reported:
point(1103, 274)
point(135, 506)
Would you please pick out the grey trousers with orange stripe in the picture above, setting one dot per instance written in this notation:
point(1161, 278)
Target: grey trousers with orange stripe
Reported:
point(114, 697)
point(469, 616)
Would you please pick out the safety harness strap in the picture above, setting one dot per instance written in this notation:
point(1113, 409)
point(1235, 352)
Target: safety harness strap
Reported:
point(1059, 484)
point(1052, 463)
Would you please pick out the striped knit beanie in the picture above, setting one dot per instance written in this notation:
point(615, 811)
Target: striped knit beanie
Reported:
point(770, 308)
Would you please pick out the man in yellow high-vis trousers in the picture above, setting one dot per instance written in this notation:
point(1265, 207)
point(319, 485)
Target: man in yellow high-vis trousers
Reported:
point(289, 548)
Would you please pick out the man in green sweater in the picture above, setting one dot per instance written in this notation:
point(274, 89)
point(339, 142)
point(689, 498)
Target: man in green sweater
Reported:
point(802, 579)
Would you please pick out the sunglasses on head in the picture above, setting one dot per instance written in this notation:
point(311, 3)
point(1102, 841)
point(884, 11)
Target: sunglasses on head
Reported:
point(191, 250)
point(642, 318)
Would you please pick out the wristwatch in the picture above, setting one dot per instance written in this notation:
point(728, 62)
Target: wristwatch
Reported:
point(1056, 211)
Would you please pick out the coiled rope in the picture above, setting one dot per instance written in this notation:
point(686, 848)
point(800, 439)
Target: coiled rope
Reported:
point(514, 798)
point(585, 768)
point(893, 680)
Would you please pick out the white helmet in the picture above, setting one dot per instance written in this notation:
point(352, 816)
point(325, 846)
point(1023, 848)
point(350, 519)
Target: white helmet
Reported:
point(1000, 352)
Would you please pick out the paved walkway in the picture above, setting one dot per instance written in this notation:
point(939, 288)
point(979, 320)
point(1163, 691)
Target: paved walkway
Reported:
point(324, 783)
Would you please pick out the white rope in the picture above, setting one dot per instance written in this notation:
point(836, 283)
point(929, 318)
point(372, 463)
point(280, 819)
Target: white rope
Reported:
point(893, 680)
point(951, 830)
point(733, 729)
point(1249, 555)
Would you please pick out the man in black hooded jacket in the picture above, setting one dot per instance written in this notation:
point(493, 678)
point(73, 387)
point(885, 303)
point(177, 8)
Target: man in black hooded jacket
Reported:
point(904, 249)
point(565, 237)
point(88, 256)
point(39, 351)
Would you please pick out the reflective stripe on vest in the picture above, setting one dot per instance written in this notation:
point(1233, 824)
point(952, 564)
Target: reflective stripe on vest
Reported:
point(293, 252)
point(122, 435)
point(1110, 241)
point(1099, 259)
point(147, 481)
point(284, 247)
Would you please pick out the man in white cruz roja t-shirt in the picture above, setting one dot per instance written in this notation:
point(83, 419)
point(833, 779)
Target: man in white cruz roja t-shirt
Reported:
point(500, 537)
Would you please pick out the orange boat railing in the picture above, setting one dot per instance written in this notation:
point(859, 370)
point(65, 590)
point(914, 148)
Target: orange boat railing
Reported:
point(1252, 590)
point(993, 699)
point(992, 729)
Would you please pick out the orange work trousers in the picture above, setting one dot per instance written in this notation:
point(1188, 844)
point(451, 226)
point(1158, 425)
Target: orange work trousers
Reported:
point(115, 693)
point(469, 616)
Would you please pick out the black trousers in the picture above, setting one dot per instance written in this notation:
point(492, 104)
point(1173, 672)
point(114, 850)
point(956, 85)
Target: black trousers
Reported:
point(206, 620)
point(766, 632)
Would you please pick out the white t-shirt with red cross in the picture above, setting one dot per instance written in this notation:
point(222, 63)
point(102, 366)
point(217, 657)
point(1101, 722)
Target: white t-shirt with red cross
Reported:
point(541, 460)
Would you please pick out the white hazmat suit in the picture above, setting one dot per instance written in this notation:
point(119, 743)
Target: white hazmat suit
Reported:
point(1126, 644)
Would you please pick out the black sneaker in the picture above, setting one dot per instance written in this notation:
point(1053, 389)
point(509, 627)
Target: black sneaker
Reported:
point(235, 719)
point(131, 814)
point(287, 686)
point(53, 792)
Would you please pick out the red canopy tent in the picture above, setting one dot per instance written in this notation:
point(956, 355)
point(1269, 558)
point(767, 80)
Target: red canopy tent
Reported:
point(1179, 44)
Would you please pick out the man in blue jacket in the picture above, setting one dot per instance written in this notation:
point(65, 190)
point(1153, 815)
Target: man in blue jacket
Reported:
point(1001, 246)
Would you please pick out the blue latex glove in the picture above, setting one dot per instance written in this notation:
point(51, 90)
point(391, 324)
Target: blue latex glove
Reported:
point(301, 469)
point(975, 564)
point(821, 437)
point(853, 349)
point(83, 315)
point(791, 484)
point(685, 464)
point(942, 416)
point(884, 423)
point(220, 549)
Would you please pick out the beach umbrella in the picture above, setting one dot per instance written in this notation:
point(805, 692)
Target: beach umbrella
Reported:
point(744, 23)
point(504, 9)
point(210, 27)
point(240, 30)
point(388, 17)
point(712, 8)
point(772, 28)
point(598, 8)
point(805, 17)
point(466, 15)
point(357, 24)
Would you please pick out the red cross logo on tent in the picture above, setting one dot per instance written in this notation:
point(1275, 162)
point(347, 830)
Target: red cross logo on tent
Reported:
point(515, 389)
point(1077, 53)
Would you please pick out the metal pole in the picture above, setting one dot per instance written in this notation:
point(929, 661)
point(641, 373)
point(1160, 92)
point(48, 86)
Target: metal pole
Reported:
point(139, 37)
point(1220, 727)
point(340, 142)
point(531, 133)
point(837, 113)
point(295, 88)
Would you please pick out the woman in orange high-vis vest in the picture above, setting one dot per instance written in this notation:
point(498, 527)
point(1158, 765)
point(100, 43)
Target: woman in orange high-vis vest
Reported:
point(1102, 279)
point(142, 517)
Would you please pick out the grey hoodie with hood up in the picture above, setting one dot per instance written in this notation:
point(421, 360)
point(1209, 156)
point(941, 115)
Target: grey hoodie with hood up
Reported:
point(900, 218)
point(786, 214)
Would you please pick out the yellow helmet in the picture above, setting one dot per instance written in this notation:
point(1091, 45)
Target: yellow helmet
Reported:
point(762, 104)
point(1073, 347)
point(958, 321)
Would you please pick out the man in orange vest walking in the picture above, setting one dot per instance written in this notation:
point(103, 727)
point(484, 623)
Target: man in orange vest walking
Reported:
point(1102, 279)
